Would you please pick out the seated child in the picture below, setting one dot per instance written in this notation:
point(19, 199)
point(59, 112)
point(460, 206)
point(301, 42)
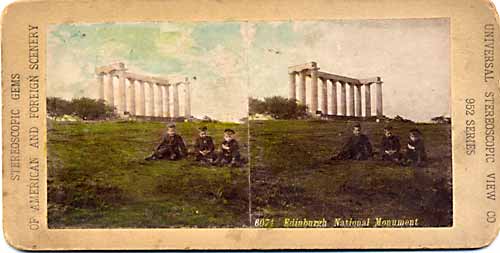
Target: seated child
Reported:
point(171, 146)
point(415, 153)
point(357, 147)
point(390, 146)
point(230, 150)
point(204, 147)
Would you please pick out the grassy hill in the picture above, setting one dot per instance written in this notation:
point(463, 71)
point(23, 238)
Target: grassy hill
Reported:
point(291, 175)
point(97, 178)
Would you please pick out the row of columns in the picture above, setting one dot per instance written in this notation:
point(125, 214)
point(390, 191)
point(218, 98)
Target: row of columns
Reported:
point(142, 96)
point(355, 94)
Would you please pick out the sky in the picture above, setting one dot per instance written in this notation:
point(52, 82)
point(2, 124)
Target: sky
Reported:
point(234, 60)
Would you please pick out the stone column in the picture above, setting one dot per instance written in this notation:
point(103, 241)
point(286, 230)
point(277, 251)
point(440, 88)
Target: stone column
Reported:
point(167, 101)
point(139, 96)
point(160, 100)
point(100, 83)
point(351, 99)
point(110, 98)
point(139, 105)
point(343, 102)
point(187, 99)
point(314, 90)
point(380, 111)
point(144, 102)
point(302, 87)
point(358, 101)
point(292, 94)
point(122, 106)
point(333, 99)
point(176, 100)
point(147, 99)
point(368, 101)
point(324, 96)
point(131, 97)
point(162, 92)
point(152, 99)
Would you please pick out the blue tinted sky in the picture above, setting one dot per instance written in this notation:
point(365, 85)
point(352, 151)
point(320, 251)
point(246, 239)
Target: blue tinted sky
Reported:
point(234, 60)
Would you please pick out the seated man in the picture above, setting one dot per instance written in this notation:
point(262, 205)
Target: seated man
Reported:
point(171, 146)
point(204, 147)
point(230, 150)
point(357, 147)
point(415, 153)
point(390, 146)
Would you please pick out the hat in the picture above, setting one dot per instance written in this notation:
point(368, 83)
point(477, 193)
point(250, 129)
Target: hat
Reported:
point(227, 130)
point(414, 130)
point(203, 128)
point(389, 128)
point(356, 125)
point(171, 125)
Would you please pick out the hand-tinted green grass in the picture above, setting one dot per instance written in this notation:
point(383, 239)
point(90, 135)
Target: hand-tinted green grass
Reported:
point(98, 178)
point(292, 177)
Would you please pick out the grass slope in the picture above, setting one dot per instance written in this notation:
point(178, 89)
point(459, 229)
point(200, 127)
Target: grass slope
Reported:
point(97, 178)
point(291, 176)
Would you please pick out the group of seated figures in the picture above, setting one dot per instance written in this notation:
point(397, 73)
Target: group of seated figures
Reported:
point(358, 147)
point(172, 147)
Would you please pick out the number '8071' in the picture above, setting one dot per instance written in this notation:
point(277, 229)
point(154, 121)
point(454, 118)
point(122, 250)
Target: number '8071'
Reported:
point(264, 223)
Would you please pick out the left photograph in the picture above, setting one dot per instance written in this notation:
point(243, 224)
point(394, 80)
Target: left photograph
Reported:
point(147, 125)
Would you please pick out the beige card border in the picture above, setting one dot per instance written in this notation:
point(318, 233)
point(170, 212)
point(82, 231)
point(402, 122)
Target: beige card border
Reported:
point(471, 208)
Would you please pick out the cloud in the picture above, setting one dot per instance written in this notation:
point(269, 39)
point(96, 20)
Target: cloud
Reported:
point(407, 54)
point(160, 49)
point(232, 60)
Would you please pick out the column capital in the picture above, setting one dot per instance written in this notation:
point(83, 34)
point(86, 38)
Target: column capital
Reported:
point(370, 80)
point(111, 68)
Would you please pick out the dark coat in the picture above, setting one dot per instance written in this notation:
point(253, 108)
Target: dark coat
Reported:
point(234, 148)
point(356, 147)
point(204, 144)
point(417, 153)
point(173, 143)
point(391, 143)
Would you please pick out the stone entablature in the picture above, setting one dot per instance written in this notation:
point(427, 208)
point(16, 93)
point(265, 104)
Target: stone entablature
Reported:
point(354, 108)
point(132, 96)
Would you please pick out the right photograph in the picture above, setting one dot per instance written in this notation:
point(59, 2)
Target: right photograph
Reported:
point(350, 123)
